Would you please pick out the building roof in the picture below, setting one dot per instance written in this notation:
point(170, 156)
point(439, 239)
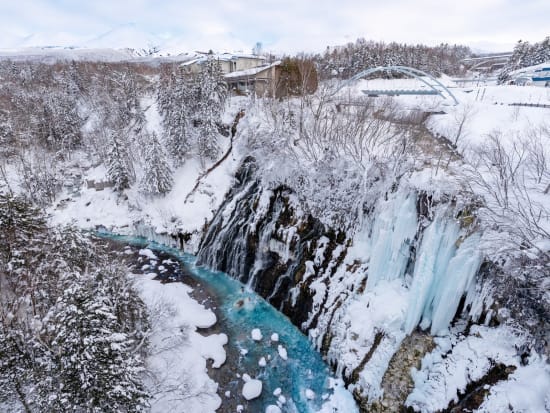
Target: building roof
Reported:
point(251, 72)
point(222, 56)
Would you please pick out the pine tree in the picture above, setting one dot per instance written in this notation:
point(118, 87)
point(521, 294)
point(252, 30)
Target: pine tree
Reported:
point(157, 178)
point(211, 95)
point(70, 321)
point(119, 164)
point(6, 130)
point(175, 99)
point(90, 365)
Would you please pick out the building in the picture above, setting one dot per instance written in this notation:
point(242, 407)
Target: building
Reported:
point(538, 75)
point(541, 76)
point(229, 62)
point(260, 81)
point(289, 77)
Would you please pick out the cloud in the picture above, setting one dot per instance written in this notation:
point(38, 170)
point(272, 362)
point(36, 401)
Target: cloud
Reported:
point(282, 25)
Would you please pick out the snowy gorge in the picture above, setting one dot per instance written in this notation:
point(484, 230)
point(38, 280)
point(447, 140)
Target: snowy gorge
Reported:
point(407, 238)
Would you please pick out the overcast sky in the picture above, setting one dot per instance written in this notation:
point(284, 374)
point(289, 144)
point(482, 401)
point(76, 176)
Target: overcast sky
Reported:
point(281, 25)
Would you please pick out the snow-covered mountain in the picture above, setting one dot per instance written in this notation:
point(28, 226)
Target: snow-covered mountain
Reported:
point(124, 41)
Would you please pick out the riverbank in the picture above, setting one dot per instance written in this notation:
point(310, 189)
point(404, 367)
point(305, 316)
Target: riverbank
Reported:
point(179, 353)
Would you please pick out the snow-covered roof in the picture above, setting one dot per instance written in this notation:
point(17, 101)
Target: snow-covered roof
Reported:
point(530, 70)
point(251, 72)
point(223, 57)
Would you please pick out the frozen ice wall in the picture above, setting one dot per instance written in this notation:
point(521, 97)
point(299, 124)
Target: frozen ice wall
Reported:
point(441, 271)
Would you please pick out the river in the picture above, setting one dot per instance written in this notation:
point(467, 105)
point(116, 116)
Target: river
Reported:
point(304, 379)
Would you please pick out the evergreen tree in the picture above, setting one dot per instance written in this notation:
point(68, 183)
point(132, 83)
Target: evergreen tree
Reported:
point(157, 178)
point(70, 322)
point(211, 95)
point(119, 164)
point(89, 365)
point(6, 130)
point(525, 55)
point(175, 98)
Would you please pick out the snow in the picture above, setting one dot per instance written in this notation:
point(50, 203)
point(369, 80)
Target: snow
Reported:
point(457, 360)
point(256, 334)
point(252, 389)
point(277, 391)
point(274, 337)
point(282, 352)
point(176, 365)
point(526, 390)
point(338, 400)
point(146, 252)
point(262, 362)
point(310, 394)
point(273, 409)
point(50, 55)
point(139, 213)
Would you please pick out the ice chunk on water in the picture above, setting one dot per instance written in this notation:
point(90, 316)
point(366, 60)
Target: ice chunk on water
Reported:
point(282, 352)
point(256, 334)
point(310, 394)
point(252, 389)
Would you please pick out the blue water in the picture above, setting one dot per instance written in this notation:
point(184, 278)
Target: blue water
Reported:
point(241, 310)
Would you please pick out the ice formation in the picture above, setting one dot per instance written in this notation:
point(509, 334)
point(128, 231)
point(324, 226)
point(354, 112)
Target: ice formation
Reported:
point(252, 389)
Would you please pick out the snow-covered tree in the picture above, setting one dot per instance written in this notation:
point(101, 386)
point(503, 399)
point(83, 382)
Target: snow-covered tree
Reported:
point(175, 100)
point(524, 55)
point(6, 130)
point(71, 326)
point(211, 93)
point(119, 163)
point(157, 177)
point(89, 363)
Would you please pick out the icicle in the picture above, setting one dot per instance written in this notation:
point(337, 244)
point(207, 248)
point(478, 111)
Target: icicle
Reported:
point(392, 233)
point(461, 272)
point(434, 254)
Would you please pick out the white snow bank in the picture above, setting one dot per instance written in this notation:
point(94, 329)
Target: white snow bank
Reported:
point(177, 374)
point(526, 390)
point(339, 401)
point(457, 361)
point(146, 252)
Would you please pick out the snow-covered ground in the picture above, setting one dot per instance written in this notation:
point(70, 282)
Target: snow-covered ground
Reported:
point(182, 209)
point(176, 367)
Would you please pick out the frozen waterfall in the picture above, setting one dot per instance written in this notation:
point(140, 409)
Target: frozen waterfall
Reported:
point(437, 275)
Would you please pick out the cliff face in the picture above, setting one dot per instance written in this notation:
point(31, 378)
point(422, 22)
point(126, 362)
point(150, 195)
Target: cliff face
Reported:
point(373, 300)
